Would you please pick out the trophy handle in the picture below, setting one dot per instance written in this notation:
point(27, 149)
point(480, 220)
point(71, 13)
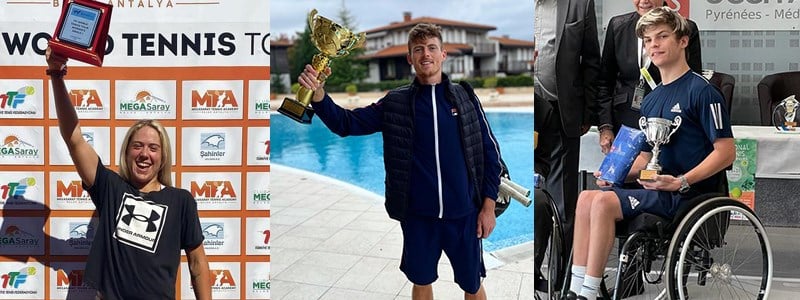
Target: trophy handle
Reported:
point(676, 123)
point(642, 123)
point(311, 15)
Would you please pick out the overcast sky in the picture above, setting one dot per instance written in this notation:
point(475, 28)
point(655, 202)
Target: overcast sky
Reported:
point(511, 17)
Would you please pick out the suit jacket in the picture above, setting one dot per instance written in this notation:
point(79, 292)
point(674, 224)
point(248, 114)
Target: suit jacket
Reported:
point(577, 62)
point(619, 70)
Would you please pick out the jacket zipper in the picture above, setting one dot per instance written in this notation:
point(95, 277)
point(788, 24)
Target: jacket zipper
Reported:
point(436, 150)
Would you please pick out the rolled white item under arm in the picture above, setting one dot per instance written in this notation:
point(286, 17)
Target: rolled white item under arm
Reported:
point(516, 186)
point(508, 190)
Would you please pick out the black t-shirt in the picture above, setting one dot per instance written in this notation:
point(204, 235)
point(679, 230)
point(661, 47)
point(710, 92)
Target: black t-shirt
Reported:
point(137, 245)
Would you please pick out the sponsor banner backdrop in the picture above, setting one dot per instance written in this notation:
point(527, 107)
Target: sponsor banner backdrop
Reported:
point(97, 137)
point(22, 190)
point(258, 235)
point(66, 281)
point(257, 275)
point(21, 99)
point(71, 236)
point(724, 15)
point(22, 280)
point(201, 68)
point(226, 281)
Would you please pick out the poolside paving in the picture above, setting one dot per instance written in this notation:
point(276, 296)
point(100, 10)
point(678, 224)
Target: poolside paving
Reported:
point(333, 240)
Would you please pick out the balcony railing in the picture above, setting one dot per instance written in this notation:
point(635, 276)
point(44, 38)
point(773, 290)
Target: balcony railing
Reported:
point(516, 66)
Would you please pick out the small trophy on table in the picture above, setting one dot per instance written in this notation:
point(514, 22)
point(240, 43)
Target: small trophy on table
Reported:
point(783, 117)
point(657, 132)
point(82, 31)
point(332, 40)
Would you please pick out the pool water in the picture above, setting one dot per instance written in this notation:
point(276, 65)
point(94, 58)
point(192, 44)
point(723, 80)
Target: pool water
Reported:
point(358, 160)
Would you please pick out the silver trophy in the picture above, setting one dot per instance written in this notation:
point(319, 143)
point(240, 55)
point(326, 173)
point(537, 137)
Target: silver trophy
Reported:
point(657, 131)
point(783, 117)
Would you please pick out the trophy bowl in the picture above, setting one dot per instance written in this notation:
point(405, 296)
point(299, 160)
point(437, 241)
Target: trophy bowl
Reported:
point(332, 40)
point(784, 116)
point(657, 132)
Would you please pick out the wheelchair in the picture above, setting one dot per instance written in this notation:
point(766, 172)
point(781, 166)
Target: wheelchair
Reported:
point(714, 248)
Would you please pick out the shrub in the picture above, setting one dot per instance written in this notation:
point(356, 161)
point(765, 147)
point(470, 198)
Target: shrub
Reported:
point(295, 87)
point(490, 82)
point(351, 89)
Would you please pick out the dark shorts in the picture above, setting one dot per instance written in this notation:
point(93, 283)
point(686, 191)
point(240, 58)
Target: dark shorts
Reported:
point(425, 238)
point(637, 201)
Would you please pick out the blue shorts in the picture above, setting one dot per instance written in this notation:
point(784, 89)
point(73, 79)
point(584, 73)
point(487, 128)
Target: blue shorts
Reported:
point(637, 201)
point(425, 238)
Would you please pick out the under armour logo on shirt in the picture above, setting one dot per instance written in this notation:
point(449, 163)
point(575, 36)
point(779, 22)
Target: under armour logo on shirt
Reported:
point(676, 108)
point(716, 114)
point(634, 202)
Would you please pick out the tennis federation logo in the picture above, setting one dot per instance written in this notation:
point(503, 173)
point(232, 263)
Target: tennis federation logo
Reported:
point(140, 223)
point(17, 104)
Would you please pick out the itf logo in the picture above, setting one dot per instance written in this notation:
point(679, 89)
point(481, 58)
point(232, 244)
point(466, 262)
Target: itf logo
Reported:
point(15, 147)
point(14, 190)
point(14, 102)
point(14, 280)
point(212, 145)
point(140, 222)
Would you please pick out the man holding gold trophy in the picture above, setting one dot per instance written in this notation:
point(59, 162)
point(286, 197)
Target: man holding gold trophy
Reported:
point(690, 158)
point(442, 163)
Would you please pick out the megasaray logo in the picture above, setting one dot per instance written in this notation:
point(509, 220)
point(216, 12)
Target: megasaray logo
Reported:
point(144, 101)
point(140, 222)
point(15, 147)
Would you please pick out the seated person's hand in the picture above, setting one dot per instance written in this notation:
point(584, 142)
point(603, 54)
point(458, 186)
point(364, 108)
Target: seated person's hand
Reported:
point(662, 182)
point(599, 182)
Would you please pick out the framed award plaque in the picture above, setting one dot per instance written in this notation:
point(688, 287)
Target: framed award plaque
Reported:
point(82, 30)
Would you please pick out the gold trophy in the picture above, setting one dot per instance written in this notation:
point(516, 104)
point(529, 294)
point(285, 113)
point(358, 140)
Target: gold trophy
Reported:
point(332, 40)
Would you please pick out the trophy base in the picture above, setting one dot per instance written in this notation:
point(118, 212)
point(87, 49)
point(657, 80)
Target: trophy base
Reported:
point(648, 175)
point(296, 111)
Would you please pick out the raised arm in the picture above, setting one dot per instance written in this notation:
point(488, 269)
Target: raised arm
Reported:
point(83, 155)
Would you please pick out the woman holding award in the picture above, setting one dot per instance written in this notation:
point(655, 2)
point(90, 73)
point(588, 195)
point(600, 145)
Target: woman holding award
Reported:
point(701, 147)
point(144, 222)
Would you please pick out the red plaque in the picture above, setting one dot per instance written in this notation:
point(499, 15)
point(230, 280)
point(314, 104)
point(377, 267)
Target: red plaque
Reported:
point(82, 31)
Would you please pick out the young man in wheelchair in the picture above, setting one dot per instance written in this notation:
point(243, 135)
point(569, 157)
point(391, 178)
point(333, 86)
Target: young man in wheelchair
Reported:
point(701, 147)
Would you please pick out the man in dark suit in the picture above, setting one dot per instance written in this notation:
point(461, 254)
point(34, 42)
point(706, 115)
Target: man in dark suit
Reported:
point(623, 56)
point(564, 75)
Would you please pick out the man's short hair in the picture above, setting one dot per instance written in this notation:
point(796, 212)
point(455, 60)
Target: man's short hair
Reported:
point(663, 15)
point(424, 31)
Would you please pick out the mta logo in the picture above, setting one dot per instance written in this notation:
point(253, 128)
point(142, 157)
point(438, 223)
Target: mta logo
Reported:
point(16, 189)
point(73, 278)
point(213, 189)
point(15, 279)
point(213, 230)
point(150, 220)
point(214, 98)
point(85, 98)
point(221, 278)
point(212, 141)
point(74, 189)
point(12, 99)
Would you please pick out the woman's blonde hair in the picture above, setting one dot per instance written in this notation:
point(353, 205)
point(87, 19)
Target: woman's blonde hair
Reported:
point(663, 15)
point(165, 169)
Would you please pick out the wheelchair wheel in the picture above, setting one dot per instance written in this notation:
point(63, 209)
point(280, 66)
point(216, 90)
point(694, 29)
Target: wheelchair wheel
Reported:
point(555, 270)
point(636, 270)
point(720, 250)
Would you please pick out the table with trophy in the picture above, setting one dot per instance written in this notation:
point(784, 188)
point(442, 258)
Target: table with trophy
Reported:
point(777, 167)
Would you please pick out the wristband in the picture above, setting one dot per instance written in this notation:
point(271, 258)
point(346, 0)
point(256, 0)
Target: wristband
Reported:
point(56, 73)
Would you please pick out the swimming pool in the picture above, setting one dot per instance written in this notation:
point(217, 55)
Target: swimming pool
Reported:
point(358, 160)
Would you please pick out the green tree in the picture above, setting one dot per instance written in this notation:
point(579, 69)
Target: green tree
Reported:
point(301, 53)
point(348, 69)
